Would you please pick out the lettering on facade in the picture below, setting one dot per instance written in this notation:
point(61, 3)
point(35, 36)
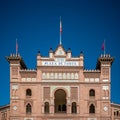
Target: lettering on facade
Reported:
point(53, 63)
point(60, 62)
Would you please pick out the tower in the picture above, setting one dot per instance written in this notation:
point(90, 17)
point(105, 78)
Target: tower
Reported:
point(16, 64)
point(104, 65)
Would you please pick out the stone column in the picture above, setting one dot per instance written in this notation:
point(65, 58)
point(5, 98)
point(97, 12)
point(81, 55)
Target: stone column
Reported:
point(43, 109)
point(77, 109)
point(51, 109)
point(52, 105)
point(68, 105)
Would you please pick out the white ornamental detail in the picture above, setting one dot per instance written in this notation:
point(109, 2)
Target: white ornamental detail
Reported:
point(15, 108)
point(14, 87)
point(105, 108)
point(55, 76)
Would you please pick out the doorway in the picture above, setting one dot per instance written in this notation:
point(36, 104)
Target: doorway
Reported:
point(60, 101)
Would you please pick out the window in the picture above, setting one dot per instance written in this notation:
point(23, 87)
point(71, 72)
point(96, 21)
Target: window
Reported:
point(60, 101)
point(46, 107)
point(92, 92)
point(59, 107)
point(4, 116)
point(28, 109)
point(91, 108)
point(74, 107)
point(63, 107)
point(114, 114)
point(28, 92)
point(117, 113)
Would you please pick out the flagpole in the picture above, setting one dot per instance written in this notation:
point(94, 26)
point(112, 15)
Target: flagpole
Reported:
point(60, 31)
point(16, 47)
point(104, 47)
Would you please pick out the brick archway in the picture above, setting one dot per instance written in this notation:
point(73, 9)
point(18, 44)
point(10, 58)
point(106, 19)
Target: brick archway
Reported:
point(60, 101)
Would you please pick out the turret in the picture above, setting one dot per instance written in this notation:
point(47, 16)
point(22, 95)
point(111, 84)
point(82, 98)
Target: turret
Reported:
point(51, 53)
point(81, 59)
point(16, 64)
point(104, 65)
point(69, 53)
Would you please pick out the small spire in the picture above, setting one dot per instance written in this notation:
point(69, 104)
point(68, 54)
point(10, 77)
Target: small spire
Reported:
point(38, 53)
point(81, 52)
point(69, 50)
point(51, 50)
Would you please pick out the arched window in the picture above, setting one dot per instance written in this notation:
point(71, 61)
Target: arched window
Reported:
point(59, 107)
point(91, 108)
point(60, 101)
point(117, 113)
point(28, 92)
point(63, 107)
point(74, 107)
point(46, 107)
point(114, 113)
point(92, 92)
point(28, 109)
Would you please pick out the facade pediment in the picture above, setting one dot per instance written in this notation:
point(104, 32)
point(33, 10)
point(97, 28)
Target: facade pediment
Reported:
point(60, 51)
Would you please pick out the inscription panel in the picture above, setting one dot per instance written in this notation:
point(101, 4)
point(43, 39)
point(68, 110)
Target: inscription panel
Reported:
point(59, 63)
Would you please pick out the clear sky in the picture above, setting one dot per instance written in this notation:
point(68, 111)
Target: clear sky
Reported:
point(35, 23)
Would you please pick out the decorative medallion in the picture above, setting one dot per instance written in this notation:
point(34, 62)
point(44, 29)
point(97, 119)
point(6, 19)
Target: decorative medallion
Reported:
point(14, 107)
point(105, 108)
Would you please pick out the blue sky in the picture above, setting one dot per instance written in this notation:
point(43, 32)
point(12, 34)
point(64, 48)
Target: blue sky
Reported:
point(35, 23)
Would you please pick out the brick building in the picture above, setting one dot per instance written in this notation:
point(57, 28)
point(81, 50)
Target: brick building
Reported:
point(60, 88)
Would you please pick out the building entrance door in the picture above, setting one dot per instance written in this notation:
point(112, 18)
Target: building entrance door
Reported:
point(60, 101)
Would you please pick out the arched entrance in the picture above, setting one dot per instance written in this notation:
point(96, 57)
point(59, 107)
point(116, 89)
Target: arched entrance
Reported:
point(60, 101)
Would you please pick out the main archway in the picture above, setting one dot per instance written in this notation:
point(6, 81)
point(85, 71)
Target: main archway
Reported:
point(60, 101)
